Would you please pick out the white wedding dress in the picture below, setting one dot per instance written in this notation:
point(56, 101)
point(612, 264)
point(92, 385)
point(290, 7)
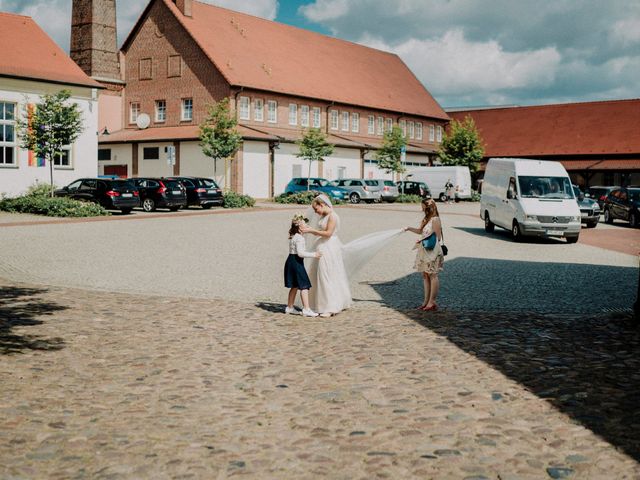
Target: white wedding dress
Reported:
point(330, 292)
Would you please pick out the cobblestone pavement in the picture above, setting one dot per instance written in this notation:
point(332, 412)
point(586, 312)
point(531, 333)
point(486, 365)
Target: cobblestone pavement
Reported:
point(112, 386)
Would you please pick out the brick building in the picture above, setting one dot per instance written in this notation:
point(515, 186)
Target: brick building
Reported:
point(597, 142)
point(32, 65)
point(183, 55)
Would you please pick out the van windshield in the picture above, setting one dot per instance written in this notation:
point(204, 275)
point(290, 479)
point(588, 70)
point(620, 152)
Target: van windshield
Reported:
point(545, 187)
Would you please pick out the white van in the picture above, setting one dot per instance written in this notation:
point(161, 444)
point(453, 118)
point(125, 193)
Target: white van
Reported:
point(436, 178)
point(529, 198)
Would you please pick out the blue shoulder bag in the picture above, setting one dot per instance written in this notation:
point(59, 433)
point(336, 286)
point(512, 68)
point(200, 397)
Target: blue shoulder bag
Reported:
point(429, 243)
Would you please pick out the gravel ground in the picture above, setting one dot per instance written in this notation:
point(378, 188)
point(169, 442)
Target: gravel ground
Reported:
point(240, 257)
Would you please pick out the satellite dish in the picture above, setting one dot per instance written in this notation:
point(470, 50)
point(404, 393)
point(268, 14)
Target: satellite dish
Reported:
point(143, 121)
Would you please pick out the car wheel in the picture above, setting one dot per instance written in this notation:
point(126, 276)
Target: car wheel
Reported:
point(516, 233)
point(572, 239)
point(443, 197)
point(207, 206)
point(148, 205)
point(126, 211)
point(592, 224)
point(489, 226)
point(607, 216)
point(633, 219)
point(354, 198)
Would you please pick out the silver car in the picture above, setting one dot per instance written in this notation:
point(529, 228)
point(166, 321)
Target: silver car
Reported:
point(388, 189)
point(358, 190)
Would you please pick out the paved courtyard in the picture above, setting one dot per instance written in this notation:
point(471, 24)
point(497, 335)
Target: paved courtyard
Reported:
point(155, 348)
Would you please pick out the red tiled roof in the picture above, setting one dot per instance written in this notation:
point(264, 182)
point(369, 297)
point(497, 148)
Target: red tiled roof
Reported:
point(256, 53)
point(593, 128)
point(28, 52)
point(164, 134)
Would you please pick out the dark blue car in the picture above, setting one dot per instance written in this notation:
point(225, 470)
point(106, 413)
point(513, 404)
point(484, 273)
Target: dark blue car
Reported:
point(299, 184)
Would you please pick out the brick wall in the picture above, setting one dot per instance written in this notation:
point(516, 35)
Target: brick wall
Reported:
point(178, 69)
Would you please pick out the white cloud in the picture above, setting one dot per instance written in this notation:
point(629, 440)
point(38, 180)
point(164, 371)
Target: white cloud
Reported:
point(452, 63)
point(323, 10)
point(626, 32)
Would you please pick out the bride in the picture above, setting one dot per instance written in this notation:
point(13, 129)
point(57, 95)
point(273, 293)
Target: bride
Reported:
point(331, 293)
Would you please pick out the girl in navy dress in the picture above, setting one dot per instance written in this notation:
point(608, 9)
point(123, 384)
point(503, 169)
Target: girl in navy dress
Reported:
point(295, 275)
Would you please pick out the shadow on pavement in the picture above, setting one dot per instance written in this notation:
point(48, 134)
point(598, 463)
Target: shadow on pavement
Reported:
point(21, 307)
point(586, 364)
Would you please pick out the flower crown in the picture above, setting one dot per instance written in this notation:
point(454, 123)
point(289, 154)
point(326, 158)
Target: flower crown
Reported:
point(299, 217)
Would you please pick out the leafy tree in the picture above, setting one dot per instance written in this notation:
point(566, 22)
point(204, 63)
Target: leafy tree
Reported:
point(218, 135)
point(52, 125)
point(462, 145)
point(314, 146)
point(389, 155)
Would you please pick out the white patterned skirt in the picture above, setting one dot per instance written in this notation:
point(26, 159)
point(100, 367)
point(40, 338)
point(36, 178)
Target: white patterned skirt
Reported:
point(429, 261)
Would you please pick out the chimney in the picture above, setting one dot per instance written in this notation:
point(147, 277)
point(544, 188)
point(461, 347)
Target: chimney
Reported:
point(184, 6)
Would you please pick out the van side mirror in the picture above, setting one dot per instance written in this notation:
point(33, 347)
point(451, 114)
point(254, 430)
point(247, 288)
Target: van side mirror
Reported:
point(511, 195)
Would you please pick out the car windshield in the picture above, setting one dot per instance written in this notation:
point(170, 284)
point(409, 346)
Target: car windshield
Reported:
point(371, 183)
point(545, 187)
point(634, 193)
point(122, 184)
point(172, 184)
point(207, 183)
point(389, 183)
point(319, 182)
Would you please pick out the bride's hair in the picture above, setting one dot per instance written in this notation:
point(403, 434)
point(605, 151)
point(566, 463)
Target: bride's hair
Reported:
point(430, 210)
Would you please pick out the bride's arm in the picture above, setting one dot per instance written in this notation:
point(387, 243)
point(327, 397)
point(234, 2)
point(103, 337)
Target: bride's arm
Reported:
point(331, 227)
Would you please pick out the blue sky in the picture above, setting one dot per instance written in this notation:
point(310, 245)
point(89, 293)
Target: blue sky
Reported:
point(466, 52)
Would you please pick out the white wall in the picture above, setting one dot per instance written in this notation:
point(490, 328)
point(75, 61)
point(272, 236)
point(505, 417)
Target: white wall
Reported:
point(15, 179)
point(154, 168)
point(255, 169)
point(285, 159)
point(347, 158)
point(121, 154)
point(195, 163)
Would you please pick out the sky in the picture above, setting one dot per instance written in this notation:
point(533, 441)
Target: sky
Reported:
point(465, 52)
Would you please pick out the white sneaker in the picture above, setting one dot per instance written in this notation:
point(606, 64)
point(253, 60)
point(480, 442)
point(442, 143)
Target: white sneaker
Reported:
point(291, 311)
point(308, 313)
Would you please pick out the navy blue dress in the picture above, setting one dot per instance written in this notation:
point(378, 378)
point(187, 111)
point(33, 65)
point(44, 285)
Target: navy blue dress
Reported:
point(295, 275)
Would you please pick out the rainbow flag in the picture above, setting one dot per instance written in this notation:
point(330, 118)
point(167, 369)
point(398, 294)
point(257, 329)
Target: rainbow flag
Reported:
point(34, 161)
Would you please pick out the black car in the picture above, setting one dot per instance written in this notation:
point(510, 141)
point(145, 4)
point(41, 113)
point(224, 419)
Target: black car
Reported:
point(623, 204)
point(111, 194)
point(201, 191)
point(161, 192)
point(414, 188)
point(599, 194)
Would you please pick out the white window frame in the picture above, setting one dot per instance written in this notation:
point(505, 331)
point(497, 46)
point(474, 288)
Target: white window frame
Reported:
point(355, 122)
point(439, 133)
point(432, 133)
point(380, 130)
point(317, 117)
point(186, 114)
point(388, 124)
point(5, 144)
point(412, 129)
point(134, 111)
point(258, 110)
point(57, 160)
point(334, 119)
point(403, 127)
point(272, 111)
point(304, 115)
point(345, 121)
point(293, 114)
point(418, 130)
point(244, 108)
point(371, 125)
point(161, 111)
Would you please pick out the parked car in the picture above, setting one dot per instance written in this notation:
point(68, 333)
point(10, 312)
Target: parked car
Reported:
point(387, 188)
point(201, 191)
point(623, 204)
point(111, 194)
point(299, 184)
point(161, 192)
point(358, 190)
point(599, 194)
point(589, 208)
point(414, 188)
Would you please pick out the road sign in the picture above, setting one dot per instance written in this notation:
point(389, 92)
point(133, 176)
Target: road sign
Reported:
point(171, 155)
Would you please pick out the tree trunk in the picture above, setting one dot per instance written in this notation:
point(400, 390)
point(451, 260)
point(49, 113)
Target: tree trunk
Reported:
point(309, 176)
point(51, 174)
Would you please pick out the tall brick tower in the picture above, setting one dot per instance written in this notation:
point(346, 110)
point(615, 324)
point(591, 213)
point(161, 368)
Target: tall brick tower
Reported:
point(94, 40)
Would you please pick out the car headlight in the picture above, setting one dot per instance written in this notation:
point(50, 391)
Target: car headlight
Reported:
point(596, 206)
point(576, 219)
point(533, 218)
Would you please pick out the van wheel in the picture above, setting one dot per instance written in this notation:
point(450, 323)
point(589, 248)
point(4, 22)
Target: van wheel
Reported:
point(354, 198)
point(443, 197)
point(607, 216)
point(572, 239)
point(489, 226)
point(515, 231)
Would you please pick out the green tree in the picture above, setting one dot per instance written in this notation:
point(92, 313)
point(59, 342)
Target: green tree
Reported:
point(53, 124)
point(389, 155)
point(462, 145)
point(314, 146)
point(219, 138)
